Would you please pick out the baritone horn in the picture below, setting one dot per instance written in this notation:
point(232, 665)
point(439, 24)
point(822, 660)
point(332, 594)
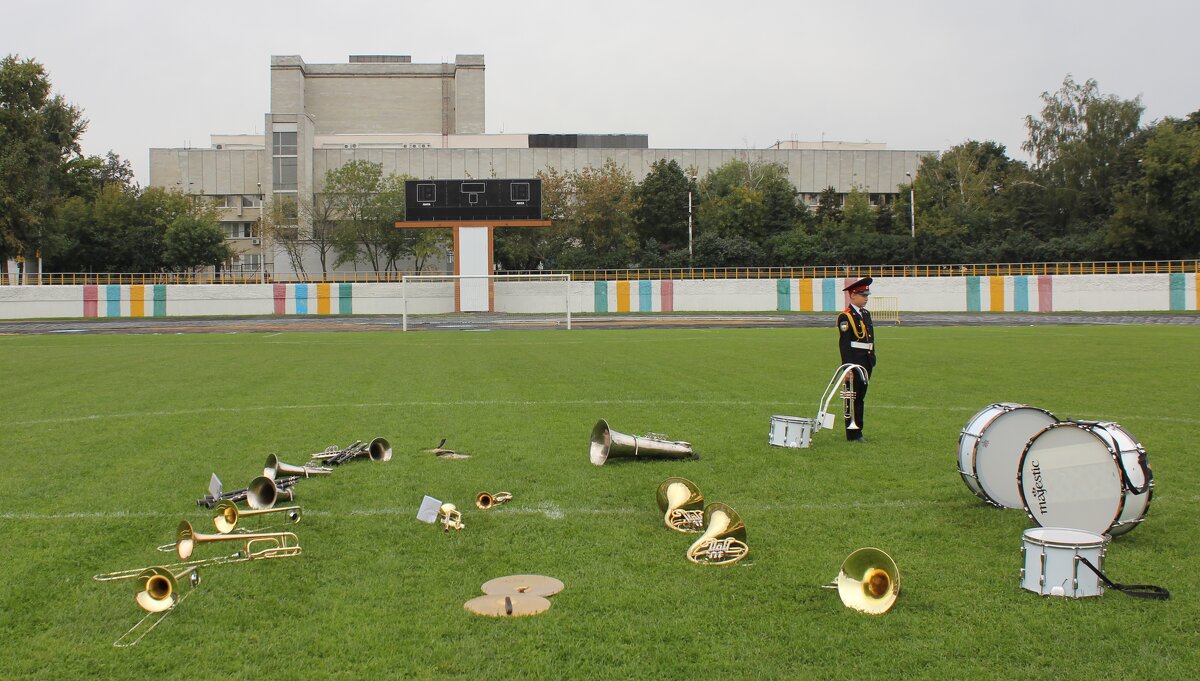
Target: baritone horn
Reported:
point(724, 538)
point(606, 442)
point(274, 467)
point(278, 544)
point(869, 581)
point(228, 514)
point(486, 500)
point(682, 505)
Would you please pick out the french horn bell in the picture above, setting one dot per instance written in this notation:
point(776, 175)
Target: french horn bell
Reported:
point(869, 581)
point(682, 505)
point(724, 538)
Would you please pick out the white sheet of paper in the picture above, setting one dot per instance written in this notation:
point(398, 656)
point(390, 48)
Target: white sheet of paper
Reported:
point(215, 488)
point(429, 509)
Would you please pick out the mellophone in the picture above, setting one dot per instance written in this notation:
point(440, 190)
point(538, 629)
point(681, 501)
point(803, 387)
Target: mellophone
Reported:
point(157, 589)
point(1081, 482)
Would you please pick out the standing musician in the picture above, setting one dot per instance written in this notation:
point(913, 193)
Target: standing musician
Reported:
point(857, 344)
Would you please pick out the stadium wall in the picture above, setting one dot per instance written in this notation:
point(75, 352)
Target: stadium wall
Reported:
point(1048, 293)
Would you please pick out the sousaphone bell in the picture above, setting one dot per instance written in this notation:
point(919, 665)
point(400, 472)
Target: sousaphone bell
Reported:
point(869, 581)
point(682, 505)
point(607, 443)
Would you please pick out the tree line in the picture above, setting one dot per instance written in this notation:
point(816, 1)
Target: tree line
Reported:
point(1100, 185)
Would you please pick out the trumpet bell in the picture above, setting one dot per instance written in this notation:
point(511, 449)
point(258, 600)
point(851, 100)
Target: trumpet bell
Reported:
point(869, 581)
point(724, 538)
point(681, 503)
point(607, 443)
point(486, 500)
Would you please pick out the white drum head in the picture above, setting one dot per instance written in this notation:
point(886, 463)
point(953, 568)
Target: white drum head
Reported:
point(1069, 479)
point(1062, 536)
point(999, 452)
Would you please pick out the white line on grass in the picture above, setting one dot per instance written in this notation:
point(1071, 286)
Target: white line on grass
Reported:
point(493, 403)
point(549, 509)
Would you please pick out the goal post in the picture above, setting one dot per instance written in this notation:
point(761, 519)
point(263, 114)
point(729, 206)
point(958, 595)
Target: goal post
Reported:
point(518, 293)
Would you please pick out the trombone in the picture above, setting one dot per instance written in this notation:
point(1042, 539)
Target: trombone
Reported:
point(228, 514)
point(156, 592)
point(278, 544)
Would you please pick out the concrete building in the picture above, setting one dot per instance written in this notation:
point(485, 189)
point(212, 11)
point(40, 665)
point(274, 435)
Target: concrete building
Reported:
point(427, 120)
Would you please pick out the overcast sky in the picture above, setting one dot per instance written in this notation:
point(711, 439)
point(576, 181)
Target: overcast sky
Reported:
point(923, 74)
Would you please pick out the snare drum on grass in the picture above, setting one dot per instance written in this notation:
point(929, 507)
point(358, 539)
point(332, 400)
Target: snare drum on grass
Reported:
point(790, 431)
point(1052, 568)
point(990, 446)
point(1086, 475)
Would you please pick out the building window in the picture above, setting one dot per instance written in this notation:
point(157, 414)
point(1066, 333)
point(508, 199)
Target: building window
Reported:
point(287, 210)
point(285, 172)
point(238, 230)
point(283, 144)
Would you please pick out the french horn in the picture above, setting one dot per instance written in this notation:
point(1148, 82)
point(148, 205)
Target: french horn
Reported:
point(724, 538)
point(869, 581)
point(486, 500)
point(682, 505)
point(607, 443)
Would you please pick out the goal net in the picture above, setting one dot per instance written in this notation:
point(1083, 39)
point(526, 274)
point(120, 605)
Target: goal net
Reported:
point(506, 293)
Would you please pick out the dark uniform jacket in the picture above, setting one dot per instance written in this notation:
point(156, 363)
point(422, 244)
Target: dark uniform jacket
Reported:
point(856, 329)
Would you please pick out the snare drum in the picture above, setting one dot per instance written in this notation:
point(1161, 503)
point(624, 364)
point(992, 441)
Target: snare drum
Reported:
point(790, 431)
point(990, 447)
point(1052, 567)
point(1087, 475)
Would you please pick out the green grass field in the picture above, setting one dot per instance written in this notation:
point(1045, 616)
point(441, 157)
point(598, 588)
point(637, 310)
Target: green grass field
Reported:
point(108, 440)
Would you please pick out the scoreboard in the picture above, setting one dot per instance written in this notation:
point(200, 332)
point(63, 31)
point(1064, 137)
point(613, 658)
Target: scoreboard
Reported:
point(438, 200)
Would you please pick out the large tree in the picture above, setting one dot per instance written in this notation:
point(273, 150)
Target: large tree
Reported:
point(367, 205)
point(1157, 212)
point(39, 135)
point(661, 213)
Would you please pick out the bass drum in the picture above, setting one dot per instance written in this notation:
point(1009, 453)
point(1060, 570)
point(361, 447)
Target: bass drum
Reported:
point(1086, 475)
point(990, 446)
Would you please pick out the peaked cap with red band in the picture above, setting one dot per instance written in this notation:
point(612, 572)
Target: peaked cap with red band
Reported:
point(861, 286)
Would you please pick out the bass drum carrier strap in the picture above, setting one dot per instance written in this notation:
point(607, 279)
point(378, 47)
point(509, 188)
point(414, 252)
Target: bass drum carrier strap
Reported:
point(1147, 591)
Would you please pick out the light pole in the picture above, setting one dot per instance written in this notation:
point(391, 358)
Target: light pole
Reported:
point(691, 181)
point(262, 239)
point(912, 205)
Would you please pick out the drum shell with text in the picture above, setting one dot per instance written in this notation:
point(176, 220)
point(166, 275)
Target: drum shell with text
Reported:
point(1086, 475)
point(990, 447)
point(1051, 561)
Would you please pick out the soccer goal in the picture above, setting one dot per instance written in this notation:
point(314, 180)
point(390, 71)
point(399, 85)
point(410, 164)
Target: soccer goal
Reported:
point(514, 293)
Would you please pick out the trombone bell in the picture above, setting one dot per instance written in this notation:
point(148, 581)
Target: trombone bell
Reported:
point(606, 442)
point(681, 503)
point(157, 589)
point(869, 581)
point(724, 538)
